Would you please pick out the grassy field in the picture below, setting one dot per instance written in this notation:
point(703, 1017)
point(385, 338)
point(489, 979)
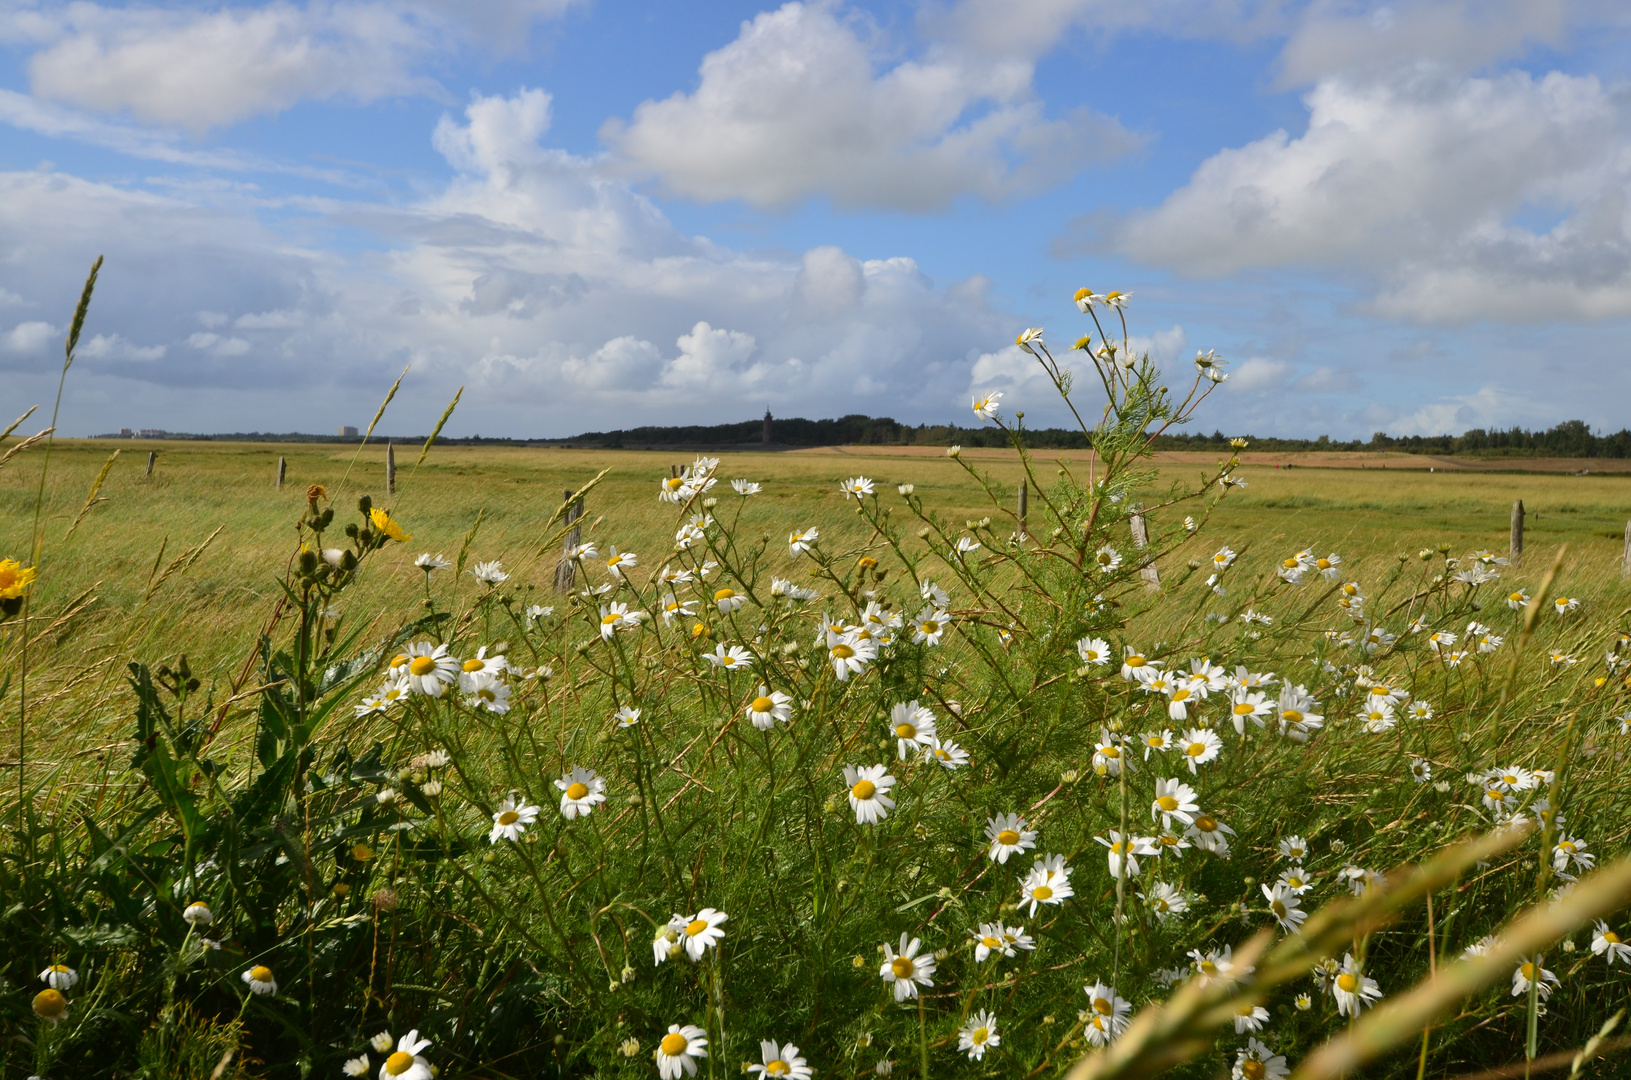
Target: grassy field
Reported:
point(366, 877)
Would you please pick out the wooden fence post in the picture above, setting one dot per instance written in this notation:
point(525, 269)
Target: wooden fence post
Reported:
point(282, 468)
point(1141, 540)
point(1625, 561)
point(1515, 551)
point(151, 455)
point(390, 468)
point(567, 568)
point(1024, 507)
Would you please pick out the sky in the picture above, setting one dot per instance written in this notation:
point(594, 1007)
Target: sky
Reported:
point(1411, 217)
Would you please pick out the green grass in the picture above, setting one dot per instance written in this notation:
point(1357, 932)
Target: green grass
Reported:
point(534, 958)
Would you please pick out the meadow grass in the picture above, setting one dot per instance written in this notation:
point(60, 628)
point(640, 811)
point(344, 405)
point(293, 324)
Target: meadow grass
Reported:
point(432, 856)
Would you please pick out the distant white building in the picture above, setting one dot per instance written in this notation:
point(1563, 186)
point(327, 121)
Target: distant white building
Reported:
point(347, 431)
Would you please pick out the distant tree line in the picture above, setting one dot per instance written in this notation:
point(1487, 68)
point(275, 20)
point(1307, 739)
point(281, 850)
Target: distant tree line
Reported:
point(1572, 438)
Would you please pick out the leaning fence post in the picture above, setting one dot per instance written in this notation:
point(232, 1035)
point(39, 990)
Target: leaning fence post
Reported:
point(282, 468)
point(1024, 507)
point(1141, 540)
point(1516, 550)
point(151, 455)
point(1625, 560)
point(390, 468)
point(567, 567)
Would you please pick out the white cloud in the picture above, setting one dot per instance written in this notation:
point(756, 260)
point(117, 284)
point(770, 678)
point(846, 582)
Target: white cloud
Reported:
point(803, 105)
point(1258, 373)
point(1419, 179)
point(218, 346)
point(201, 69)
point(115, 347)
point(28, 338)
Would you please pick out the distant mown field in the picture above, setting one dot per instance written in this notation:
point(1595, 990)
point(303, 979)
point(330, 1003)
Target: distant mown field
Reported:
point(206, 609)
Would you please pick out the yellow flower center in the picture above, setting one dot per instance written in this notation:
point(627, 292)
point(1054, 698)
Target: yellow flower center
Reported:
point(1292, 715)
point(991, 943)
point(673, 483)
point(842, 652)
point(260, 973)
point(576, 790)
point(1323, 564)
point(1567, 845)
point(1252, 1069)
point(674, 1044)
point(1196, 749)
point(1278, 908)
point(1008, 837)
point(1180, 695)
point(1042, 892)
point(1290, 564)
point(931, 627)
point(50, 1004)
point(474, 665)
point(1208, 967)
point(1528, 970)
point(902, 967)
point(695, 927)
point(1167, 802)
point(399, 1063)
point(778, 1068)
point(1103, 1006)
point(763, 704)
point(1495, 794)
point(1348, 982)
point(1155, 742)
point(864, 789)
point(1206, 823)
point(508, 817)
point(1293, 881)
point(398, 661)
point(905, 731)
point(421, 665)
point(1611, 937)
point(607, 620)
point(724, 594)
point(1136, 661)
point(1110, 751)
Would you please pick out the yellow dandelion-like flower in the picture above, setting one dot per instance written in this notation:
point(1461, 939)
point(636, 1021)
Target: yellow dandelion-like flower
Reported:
point(387, 526)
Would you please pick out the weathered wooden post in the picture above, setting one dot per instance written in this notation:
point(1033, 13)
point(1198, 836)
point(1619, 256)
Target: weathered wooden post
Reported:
point(390, 468)
point(1024, 507)
point(1141, 540)
point(567, 568)
point(151, 455)
point(1515, 552)
point(282, 470)
point(1625, 560)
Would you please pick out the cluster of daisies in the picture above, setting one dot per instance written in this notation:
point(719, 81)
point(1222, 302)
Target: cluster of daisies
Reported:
point(428, 669)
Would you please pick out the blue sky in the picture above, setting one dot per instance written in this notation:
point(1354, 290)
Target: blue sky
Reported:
point(1410, 217)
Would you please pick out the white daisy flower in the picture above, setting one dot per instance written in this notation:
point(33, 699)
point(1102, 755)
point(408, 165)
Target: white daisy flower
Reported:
point(382, 1042)
point(1106, 1016)
point(197, 914)
point(1295, 879)
point(1606, 942)
point(1210, 834)
point(357, 1066)
point(869, 792)
point(780, 1061)
point(1526, 973)
point(986, 407)
point(431, 563)
point(912, 726)
point(1249, 1017)
point(1135, 665)
point(1353, 989)
point(801, 541)
point(680, 1049)
point(997, 939)
point(1200, 745)
point(857, 487)
point(1008, 835)
point(700, 932)
point(426, 668)
point(728, 600)
point(581, 789)
point(1174, 799)
point(1284, 906)
point(488, 693)
point(850, 654)
point(1047, 883)
point(59, 977)
point(489, 573)
point(745, 488)
point(929, 627)
point(260, 981)
point(511, 819)
point(1421, 770)
point(626, 717)
point(945, 753)
point(731, 658)
point(1258, 1062)
point(1128, 849)
point(1294, 848)
point(906, 970)
point(407, 1063)
point(1165, 900)
point(1107, 559)
point(1108, 755)
point(769, 708)
point(979, 1033)
point(1094, 651)
point(1158, 741)
point(967, 544)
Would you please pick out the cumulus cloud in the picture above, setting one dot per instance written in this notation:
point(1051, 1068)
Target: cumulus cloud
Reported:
point(28, 338)
point(1420, 179)
point(200, 69)
point(559, 295)
point(802, 104)
point(1257, 373)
